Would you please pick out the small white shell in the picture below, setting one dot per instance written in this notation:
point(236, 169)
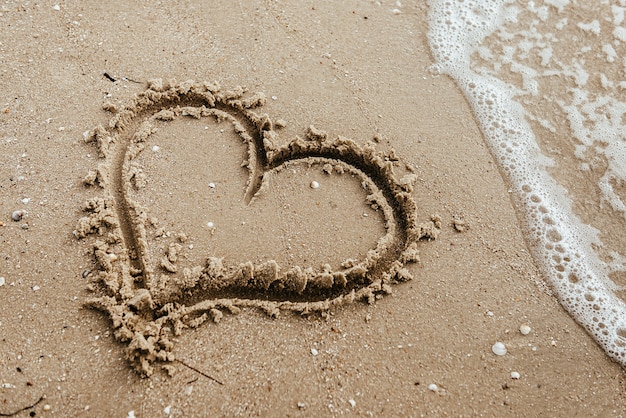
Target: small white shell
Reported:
point(498, 349)
point(210, 225)
point(315, 185)
point(433, 387)
point(524, 329)
point(2, 281)
point(18, 215)
point(515, 375)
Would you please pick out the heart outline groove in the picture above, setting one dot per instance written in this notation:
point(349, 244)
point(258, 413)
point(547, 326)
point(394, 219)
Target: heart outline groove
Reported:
point(147, 307)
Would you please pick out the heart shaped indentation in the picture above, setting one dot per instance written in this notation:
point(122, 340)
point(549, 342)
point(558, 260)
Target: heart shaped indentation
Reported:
point(202, 183)
point(153, 288)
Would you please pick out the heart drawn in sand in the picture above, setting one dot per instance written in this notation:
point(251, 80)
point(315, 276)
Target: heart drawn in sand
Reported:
point(151, 299)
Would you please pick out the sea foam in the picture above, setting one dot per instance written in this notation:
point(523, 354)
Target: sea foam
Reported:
point(564, 247)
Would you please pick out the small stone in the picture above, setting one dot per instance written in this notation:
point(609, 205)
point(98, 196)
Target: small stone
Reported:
point(498, 349)
point(36, 288)
point(315, 185)
point(301, 405)
point(18, 215)
point(210, 225)
point(56, 7)
point(515, 375)
point(167, 409)
point(314, 352)
point(47, 407)
point(155, 148)
point(131, 414)
point(524, 329)
point(433, 387)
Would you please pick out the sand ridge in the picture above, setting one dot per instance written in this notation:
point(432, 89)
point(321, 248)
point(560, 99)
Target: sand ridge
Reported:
point(151, 305)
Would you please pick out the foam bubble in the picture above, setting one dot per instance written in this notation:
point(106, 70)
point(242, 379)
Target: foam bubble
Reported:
point(561, 243)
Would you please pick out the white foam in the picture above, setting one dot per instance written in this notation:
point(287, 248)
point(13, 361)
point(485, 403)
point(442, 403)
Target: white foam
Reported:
point(619, 32)
point(562, 245)
point(618, 14)
point(610, 52)
point(593, 27)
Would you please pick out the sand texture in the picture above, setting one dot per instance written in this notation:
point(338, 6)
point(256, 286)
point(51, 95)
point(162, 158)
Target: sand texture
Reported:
point(263, 208)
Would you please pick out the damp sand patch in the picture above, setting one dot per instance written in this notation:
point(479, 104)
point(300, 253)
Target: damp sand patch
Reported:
point(149, 285)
